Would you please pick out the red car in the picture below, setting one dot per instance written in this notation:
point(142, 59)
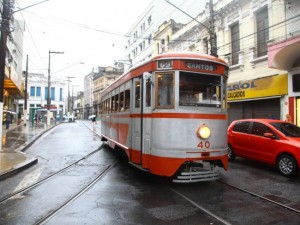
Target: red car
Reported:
point(270, 141)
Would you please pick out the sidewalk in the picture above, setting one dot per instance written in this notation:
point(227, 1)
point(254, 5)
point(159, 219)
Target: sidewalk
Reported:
point(15, 141)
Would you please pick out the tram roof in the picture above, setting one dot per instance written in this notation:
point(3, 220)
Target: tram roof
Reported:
point(189, 55)
point(174, 55)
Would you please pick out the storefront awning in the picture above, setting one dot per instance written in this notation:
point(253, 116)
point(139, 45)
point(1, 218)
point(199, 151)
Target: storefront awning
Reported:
point(13, 85)
point(284, 55)
point(13, 90)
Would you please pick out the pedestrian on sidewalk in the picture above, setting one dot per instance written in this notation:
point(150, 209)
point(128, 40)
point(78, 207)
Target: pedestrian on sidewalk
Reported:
point(19, 118)
point(94, 121)
point(36, 120)
point(8, 120)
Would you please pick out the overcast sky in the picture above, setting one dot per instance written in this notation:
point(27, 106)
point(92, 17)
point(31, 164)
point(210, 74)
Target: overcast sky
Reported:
point(89, 31)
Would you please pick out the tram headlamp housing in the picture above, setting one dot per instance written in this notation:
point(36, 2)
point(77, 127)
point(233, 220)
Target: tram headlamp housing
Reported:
point(203, 132)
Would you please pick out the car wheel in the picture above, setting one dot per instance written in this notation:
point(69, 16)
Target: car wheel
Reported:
point(287, 165)
point(231, 155)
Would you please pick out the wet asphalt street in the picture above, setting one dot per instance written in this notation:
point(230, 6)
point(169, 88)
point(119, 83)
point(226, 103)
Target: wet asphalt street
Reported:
point(110, 191)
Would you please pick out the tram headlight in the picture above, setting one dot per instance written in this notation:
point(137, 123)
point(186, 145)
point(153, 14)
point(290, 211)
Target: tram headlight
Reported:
point(203, 132)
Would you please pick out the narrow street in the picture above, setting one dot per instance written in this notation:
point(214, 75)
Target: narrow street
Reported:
point(77, 180)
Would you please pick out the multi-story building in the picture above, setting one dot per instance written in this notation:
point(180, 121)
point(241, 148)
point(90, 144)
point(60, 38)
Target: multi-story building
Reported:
point(243, 28)
point(37, 87)
point(88, 95)
point(78, 106)
point(139, 42)
point(254, 90)
point(105, 77)
point(163, 36)
point(13, 86)
point(95, 82)
point(284, 54)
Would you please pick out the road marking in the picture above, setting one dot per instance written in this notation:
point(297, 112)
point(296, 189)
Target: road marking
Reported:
point(29, 179)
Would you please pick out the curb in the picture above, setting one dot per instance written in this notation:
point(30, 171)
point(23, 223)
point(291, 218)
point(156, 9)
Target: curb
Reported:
point(30, 160)
point(19, 167)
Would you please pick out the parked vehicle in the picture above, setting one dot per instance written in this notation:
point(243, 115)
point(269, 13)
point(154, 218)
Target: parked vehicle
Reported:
point(266, 140)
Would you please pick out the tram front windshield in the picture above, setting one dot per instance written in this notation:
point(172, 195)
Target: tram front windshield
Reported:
point(199, 90)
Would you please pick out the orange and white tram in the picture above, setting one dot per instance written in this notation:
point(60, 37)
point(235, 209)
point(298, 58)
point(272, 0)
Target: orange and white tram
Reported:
point(169, 116)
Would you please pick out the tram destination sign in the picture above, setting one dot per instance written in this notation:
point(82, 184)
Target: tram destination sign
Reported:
point(200, 66)
point(164, 64)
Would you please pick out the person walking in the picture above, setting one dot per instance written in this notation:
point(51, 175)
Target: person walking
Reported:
point(19, 118)
point(288, 118)
point(8, 120)
point(94, 121)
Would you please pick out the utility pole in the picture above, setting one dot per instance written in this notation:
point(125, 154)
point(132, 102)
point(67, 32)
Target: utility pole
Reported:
point(49, 97)
point(25, 93)
point(212, 33)
point(5, 23)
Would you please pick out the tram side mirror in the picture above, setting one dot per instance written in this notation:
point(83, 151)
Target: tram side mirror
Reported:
point(147, 76)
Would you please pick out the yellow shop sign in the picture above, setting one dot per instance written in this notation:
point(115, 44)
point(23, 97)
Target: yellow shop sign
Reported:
point(258, 88)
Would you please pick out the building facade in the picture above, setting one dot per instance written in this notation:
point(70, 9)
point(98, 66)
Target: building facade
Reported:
point(95, 82)
point(78, 107)
point(139, 41)
point(37, 87)
point(105, 77)
point(244, 29)
point(88, 95)
point(284, 54)
point(13, 86)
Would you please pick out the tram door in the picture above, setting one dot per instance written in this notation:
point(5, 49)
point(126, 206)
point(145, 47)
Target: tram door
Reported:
point(141, 121)
point(136, 121)
point(147, 121)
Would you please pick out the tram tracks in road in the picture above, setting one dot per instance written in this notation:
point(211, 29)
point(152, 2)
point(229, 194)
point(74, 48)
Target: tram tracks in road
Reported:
point(20, 191)
point(200, 207)
point(260, 196)
point(46, 197)
point(50, 215)
point(213, 214)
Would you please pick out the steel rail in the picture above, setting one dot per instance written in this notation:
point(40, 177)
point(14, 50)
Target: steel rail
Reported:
point(77, 195)
point(260, 196)
point(50, 176)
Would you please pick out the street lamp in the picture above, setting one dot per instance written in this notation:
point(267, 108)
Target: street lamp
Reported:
point(49, 97)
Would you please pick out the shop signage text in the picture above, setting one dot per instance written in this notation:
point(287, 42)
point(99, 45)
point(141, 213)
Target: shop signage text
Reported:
point(238, 90)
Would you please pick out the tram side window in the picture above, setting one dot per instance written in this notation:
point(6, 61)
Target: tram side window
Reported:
point(116, 103)
point(199, 90)
point(148, 93)
point(127, 99)
point(121, 101)
point(109, 105)
point(112, 105)
point(137, 94)
point(165, 91)
point(101, 107)
point(105, 105)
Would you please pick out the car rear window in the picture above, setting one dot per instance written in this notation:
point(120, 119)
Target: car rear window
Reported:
point(288, 129)
point(241, 126)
